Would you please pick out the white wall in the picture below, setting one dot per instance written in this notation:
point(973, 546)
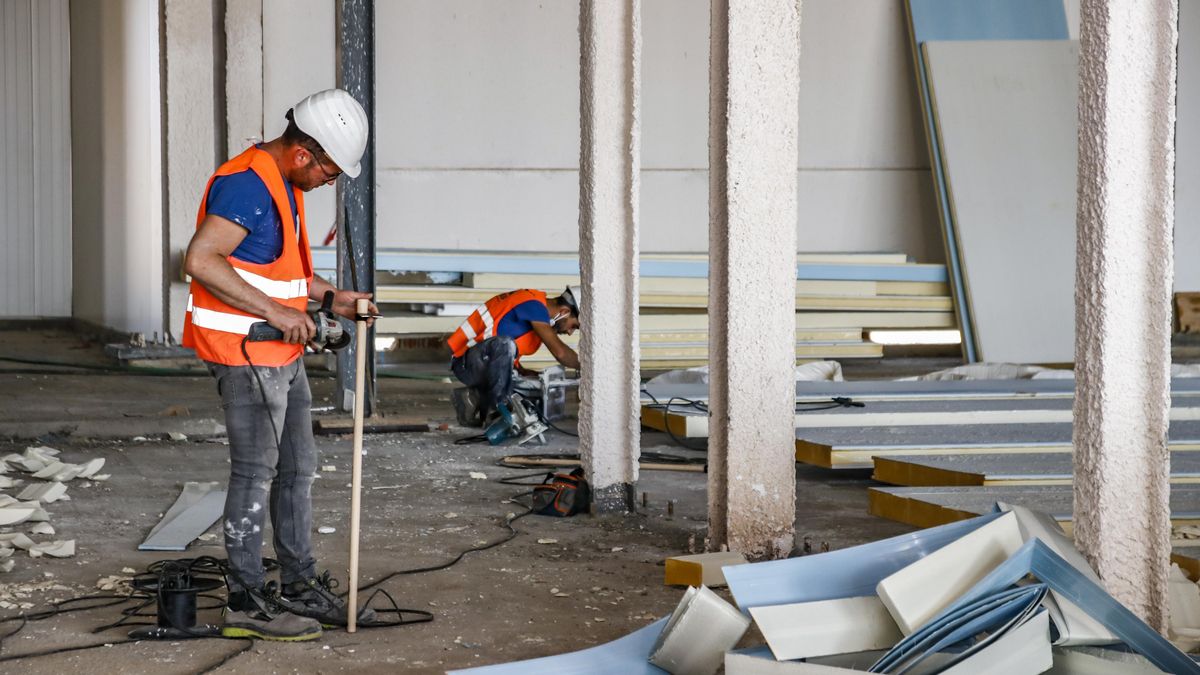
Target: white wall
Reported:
point(1187, 150)
point(117, 164)
point(35, 160)
point(478, 133)
point(299, 38)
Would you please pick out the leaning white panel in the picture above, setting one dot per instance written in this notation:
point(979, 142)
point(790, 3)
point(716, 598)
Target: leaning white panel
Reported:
point(916, 593)
point(842, 626)
point(701, 629)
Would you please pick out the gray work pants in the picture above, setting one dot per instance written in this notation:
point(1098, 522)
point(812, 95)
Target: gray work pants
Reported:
point(268, 471)
point(488, 367)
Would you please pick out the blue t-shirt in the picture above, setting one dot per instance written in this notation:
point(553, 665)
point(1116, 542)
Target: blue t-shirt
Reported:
point(518, 320)
point(243, 198)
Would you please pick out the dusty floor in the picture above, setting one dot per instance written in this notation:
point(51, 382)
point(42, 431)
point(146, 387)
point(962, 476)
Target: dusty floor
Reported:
point(599, 580)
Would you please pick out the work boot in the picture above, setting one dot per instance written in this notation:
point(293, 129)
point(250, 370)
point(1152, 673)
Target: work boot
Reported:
point(254, 614)
point(315, 598)
point(466, 406)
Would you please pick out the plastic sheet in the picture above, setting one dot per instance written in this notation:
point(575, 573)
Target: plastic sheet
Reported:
point(846, 573)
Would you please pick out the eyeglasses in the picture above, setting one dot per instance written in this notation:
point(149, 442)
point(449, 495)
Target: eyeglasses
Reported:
point(329, 177)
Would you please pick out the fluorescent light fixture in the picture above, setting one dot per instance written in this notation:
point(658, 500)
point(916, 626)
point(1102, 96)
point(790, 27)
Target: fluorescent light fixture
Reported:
point(915, 337)
point(385, 344)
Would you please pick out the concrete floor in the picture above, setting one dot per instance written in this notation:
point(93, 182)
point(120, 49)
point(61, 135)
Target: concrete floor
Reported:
point(601, 578)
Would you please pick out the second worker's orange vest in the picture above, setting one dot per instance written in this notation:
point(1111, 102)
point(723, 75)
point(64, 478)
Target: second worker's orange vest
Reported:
point(213, 328)
point(481, 324)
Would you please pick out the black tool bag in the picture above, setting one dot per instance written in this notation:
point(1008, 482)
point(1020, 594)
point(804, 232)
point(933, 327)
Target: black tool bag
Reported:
point(562, 495)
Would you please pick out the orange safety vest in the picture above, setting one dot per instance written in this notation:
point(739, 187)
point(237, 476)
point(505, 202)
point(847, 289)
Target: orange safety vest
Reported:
point(214, 329)
point(481, 324)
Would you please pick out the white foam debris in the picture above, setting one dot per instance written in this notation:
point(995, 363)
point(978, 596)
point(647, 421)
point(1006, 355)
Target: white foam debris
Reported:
point(43, 492)
point(16, 540)
point(55, 549)
point(42, 528)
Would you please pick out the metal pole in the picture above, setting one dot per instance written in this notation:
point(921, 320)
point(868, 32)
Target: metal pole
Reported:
point(356, 198)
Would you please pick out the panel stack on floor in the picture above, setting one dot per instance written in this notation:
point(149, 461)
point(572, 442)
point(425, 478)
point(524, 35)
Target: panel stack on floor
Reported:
point(954, 448)
point(838, 297)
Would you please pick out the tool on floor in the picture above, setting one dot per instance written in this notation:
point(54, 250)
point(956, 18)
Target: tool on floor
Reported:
point(548, 390)
point(330, 334)
point(518, 419)
point(176, 589)
point(362, 312)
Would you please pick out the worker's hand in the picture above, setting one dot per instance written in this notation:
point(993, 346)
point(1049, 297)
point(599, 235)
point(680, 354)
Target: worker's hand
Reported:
point(344, 304)
point(298, 327)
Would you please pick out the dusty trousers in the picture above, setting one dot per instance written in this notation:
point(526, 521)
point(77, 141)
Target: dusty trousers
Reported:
point(268, 472)
point(488, 368)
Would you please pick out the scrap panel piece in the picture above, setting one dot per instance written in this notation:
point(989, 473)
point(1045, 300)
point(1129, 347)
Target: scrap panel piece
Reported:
point(198, 506)
point(976, 20)
point(627, 655)
point(841, 626)
point(698, 633)
point(702, 569)
point(845, 573)
point(918, 592)
point(1038, 560)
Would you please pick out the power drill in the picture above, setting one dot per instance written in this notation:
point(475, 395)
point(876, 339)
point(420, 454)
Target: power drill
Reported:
point(330, 334)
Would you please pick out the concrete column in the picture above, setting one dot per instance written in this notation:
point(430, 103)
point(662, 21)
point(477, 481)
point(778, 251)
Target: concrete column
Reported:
point(609, 167)
point(243, 73)
point(1122, 296)
point(190, 135)
point(753, 125)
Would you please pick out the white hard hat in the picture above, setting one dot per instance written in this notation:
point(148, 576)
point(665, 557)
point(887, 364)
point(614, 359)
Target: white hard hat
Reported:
point(335, 120)
point(574, 297)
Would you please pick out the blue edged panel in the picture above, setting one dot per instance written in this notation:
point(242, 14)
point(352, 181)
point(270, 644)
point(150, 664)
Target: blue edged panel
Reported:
point(988, 20)
point(846, 573)
point(1037, 560)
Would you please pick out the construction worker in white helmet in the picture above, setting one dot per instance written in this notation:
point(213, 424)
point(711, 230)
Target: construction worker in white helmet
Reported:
point(487, 348)
point(250, 261)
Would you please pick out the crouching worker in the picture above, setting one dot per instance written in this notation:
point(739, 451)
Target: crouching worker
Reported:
point(488, 346)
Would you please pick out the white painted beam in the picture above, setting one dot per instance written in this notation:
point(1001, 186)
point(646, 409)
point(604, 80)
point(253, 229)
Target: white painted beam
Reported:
point(1127, 66)
point(753, 127)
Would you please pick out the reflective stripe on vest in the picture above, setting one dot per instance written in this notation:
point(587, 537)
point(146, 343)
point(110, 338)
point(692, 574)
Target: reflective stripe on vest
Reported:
point(480, 325)
point(217, 330)
point(274, 288)
point(223, 321)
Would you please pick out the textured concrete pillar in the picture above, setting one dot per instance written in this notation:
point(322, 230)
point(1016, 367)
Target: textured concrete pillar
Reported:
point(609, 166)
point(190, 153)
point(243, 73)
point(1122, 296)
point(753, 112)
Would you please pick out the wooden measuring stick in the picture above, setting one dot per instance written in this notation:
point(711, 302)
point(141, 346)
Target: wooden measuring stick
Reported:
point(362, 309)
